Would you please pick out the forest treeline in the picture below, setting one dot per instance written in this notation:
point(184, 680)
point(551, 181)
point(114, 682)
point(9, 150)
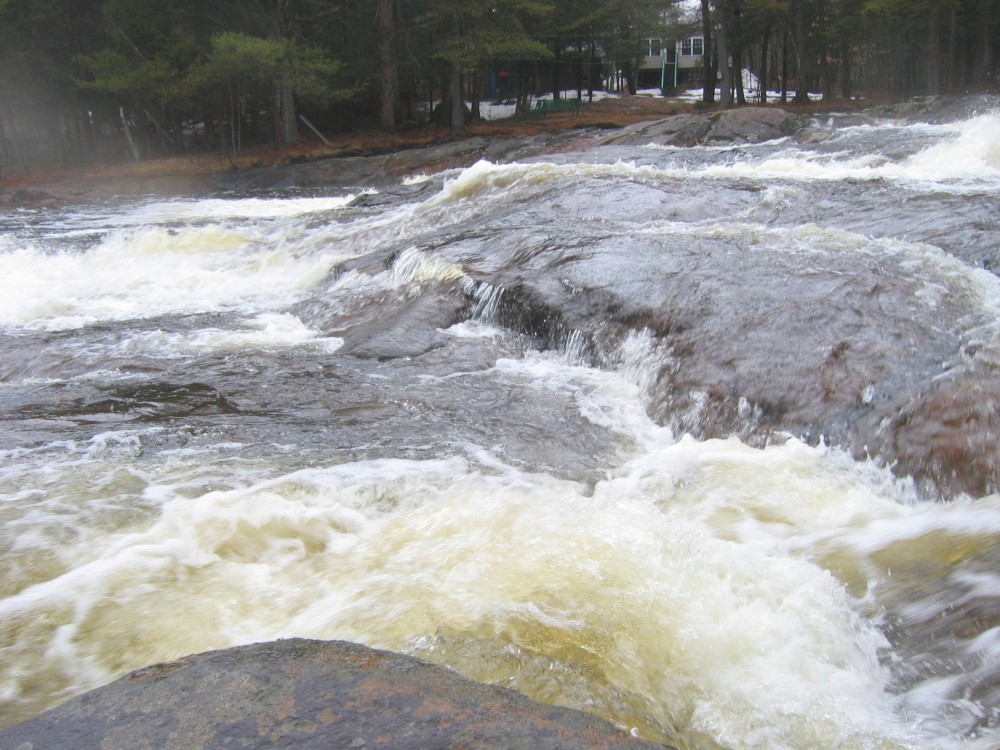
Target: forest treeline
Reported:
point(100, 81)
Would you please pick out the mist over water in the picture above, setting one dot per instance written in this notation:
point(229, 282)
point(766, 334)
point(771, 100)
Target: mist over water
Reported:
point(700, 440)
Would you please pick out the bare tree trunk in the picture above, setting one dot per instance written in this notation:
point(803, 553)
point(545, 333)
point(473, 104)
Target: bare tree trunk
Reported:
point(232, 121)
point(387, 63)
point(763, 72)
point(799, 45)
point(984, 53)
point(630, 84)
point(474, 85)
point(523, 93)
point(457, 118)
point(824, 58)
point(590, 71)
point(128, 134)
point(933, 57)
point(784, 66)
point(5, 156)
point(556, 87)
point(845, 70)
point(708, 78)
point(736, 36)
point(288, 129)
point(722, 43)
point(950, 67)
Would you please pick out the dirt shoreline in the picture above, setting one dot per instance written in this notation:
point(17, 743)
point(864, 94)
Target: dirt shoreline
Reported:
point(201, 174)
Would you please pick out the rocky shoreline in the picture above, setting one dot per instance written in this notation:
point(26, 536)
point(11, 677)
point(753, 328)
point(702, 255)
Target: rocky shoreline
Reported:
point(382, 163)
point(374, 158)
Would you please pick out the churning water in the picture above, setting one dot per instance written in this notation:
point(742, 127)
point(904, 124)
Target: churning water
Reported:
point(699, 440)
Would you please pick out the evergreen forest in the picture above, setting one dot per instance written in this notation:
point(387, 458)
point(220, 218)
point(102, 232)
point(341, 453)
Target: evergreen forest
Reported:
point(104, 81)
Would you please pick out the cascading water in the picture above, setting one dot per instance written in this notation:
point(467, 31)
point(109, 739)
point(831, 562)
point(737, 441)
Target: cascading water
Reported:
point(699, 440)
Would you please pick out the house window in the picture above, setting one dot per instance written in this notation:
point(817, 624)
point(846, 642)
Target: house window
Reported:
point(654, 47)
point(693, 46)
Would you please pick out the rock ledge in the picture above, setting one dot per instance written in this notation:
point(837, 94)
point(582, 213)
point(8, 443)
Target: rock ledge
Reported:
point(308, 694)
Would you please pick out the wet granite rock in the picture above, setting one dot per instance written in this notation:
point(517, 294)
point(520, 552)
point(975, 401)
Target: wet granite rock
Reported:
point(306, 694)
point(753, 125)
point(384, 171)
point(24, 197)
point(741, 125)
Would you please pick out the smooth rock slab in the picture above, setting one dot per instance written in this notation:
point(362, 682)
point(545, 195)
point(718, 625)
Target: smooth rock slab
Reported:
point(741, 125)
point(308, 694)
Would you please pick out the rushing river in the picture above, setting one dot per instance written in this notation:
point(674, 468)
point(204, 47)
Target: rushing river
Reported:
point(701, 440)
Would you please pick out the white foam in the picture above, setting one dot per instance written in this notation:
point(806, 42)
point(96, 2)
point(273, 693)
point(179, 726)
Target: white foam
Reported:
point(473, 330)
point(414, 266)
point(153, 271)
point(973, 153)
point(265, 331)
point(678, 578)
point(966, 158)
point(218, 209)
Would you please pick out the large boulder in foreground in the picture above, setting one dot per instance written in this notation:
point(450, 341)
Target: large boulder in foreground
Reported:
point(308, 694)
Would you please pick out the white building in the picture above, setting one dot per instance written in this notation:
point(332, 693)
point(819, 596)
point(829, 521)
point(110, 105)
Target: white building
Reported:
point(678, 64)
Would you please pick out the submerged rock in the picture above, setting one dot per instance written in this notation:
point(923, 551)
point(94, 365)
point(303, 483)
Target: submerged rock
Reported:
point(304, 694)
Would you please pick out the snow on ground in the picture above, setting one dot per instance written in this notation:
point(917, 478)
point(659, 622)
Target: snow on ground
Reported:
point(499, 111)
point(695, 95)
point(493, 110)
point(751, 87)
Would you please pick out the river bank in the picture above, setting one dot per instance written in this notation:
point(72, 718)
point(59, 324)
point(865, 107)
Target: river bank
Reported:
point(430, 148)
